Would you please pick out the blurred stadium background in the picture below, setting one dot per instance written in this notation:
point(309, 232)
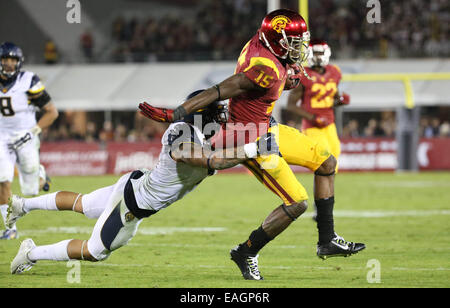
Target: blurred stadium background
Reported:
point(124, 52)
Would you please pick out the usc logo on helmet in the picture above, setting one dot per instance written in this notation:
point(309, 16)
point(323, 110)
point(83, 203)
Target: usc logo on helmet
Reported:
point(279, 23)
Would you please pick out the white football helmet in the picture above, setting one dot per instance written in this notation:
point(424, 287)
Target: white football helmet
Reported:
point(319, 53)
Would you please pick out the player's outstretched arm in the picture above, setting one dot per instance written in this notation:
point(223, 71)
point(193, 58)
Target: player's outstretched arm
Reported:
point(196, 155)
point(233, 86)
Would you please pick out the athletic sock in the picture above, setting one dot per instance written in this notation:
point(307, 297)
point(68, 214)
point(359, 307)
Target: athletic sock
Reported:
point(54, 252)
point(44, 202)
point(256, 241)
point(325, 221)
point(4, 211)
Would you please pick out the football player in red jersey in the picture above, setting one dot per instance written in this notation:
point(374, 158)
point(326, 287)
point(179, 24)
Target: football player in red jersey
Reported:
point(319, 96)
point(262, 73)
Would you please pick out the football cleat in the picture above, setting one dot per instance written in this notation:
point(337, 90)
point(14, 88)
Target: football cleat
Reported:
point(15, 210)
point(21, 263)
point(43, 175)
point(247, 264)
point(338, 247)
point(9, 234)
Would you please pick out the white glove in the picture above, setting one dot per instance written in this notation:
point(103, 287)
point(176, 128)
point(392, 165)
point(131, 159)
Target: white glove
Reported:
point(23, 138)
point(251, 150)
point(265, 145)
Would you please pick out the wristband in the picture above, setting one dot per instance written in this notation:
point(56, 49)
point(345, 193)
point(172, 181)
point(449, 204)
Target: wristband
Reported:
point(251, 150)
point(36, 130)
point(208, 161)
point(218, 91)
point(179, 113)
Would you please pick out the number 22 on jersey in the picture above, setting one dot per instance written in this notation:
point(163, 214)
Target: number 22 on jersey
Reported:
point(324, 98)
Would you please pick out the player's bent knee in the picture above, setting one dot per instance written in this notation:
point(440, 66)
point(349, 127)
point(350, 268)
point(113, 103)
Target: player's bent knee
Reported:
point(328, 167)
point(94, 253)
point(295, 210)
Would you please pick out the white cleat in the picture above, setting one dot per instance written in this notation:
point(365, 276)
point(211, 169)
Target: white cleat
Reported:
point(15, 210)
point(21, 263)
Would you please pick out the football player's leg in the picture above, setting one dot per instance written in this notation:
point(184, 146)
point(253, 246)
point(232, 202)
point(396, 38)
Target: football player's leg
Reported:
point(277, 176)
point(28, 166)
point(328, 138)
point(91, 205)
point(7, 161)
point(334, 143)
point(281, 181)
point(302, 150)
point(115, 227)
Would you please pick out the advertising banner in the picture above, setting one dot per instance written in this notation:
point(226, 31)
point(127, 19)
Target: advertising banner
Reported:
point(358, 154)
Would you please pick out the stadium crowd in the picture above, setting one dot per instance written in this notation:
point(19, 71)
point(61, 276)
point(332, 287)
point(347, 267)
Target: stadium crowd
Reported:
point(217, 31)
point(407, 29)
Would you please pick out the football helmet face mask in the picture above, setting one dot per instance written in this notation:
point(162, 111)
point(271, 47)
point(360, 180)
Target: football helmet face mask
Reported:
point(285, 34)
point(10, 50)
point(319, 54)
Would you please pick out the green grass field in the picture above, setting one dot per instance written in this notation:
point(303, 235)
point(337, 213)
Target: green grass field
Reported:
point(402, 218)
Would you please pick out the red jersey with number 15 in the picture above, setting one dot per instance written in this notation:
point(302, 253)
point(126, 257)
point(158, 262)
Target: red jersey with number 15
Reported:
point(265, 70)
point(319, 93)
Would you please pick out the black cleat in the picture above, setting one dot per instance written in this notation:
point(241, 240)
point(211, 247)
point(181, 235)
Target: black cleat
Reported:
point(247, 264)
point(43, 175)
point(338, 247)
point(46, 186)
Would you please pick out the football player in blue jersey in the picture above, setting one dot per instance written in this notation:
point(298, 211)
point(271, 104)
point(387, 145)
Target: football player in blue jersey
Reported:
point(22, 94)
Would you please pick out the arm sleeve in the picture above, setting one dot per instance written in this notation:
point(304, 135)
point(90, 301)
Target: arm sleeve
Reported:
point(41, 100)
point(36, 86)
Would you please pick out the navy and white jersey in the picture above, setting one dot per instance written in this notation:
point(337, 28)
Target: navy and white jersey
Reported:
point(170, 181)
point(17, 113)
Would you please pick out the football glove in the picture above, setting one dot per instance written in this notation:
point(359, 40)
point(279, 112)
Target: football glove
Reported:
point(295, 72)
point(342, 99)
point(22, 138)
point(155, 113)
point(320, 121)
point(264, 145)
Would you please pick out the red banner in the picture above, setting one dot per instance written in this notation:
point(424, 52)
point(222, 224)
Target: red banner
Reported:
point(73, 158)
point(434, 154)
point(125, 157)
point(378, 154)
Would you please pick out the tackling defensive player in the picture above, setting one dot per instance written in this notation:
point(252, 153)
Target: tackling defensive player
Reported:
point(185, 160)
point(21, 95)
point(263, 71)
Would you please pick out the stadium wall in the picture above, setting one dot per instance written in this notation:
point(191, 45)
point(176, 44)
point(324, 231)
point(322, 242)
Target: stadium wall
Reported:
point(377, 154)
